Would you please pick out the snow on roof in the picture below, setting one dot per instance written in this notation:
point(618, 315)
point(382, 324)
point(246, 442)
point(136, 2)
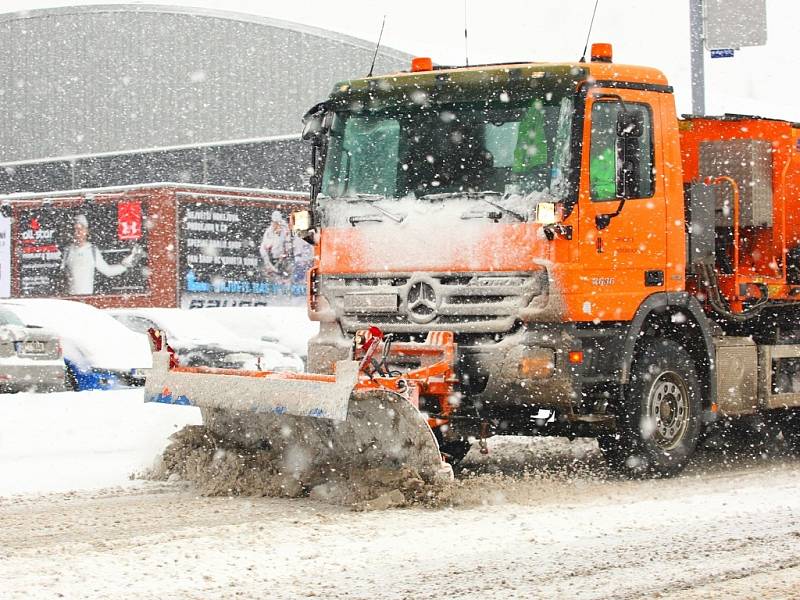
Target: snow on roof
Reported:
point(152, 149)
point(208, 13)
point(198, 189)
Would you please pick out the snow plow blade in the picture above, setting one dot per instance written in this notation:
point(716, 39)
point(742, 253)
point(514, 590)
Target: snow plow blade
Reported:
point(315, 424)
point(301, 395)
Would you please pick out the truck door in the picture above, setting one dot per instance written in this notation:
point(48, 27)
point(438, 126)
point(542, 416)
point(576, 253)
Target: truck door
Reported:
point(622, 205)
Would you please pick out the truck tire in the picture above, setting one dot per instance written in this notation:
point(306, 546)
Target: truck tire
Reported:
point(658, 424)
point(454, 450)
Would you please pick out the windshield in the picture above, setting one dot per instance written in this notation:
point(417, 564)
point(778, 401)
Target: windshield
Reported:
point(445, 148)
point(9, 318)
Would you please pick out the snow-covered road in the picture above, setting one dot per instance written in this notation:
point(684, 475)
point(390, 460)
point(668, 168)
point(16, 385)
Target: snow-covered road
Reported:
point(734, 534)
point(724, 529)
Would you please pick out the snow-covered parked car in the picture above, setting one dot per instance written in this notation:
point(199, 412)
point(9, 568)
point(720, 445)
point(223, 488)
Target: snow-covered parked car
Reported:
point(99, 352)
point(30, 357)
point(199, 341)
point(288, 326)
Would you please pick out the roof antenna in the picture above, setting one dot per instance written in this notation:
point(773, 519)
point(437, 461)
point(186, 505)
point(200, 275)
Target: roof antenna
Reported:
point(466, 48)
point(591, 23)
point(378, 45)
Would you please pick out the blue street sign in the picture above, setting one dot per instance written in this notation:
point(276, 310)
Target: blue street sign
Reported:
point(722, 53)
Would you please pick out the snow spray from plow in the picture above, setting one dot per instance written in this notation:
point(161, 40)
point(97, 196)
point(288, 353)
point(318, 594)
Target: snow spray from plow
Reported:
point(364, 416)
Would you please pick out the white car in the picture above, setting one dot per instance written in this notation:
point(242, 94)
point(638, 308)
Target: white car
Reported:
point(99, 353)
point(288, 326)
point(199, 341)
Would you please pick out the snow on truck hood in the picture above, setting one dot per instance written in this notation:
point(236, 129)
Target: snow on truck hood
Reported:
point(90, 337)
point(456, 234)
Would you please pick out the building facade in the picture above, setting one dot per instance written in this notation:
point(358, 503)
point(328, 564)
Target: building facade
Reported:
point(122, 80)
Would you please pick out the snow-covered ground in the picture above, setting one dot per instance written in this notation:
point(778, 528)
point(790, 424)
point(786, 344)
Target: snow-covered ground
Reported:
point(81, 440)
point(73, 525)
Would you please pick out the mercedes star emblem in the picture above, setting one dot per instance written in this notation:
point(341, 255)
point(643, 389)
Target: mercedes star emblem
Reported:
point(421, 301)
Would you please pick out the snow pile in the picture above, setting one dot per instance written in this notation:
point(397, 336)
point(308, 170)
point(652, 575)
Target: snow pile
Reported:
point(217, 468)
point(85, 440)
point(516, 470)
point(91, 440)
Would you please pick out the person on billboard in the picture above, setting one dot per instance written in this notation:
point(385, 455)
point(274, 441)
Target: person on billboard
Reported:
point(82, 258)
point(276, 247)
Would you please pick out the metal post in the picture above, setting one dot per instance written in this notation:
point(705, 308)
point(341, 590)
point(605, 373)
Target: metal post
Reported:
point(698, 66)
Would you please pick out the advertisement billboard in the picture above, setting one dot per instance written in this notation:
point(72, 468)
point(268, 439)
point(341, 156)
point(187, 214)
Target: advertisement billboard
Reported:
point(88, 249)
point(240, 254)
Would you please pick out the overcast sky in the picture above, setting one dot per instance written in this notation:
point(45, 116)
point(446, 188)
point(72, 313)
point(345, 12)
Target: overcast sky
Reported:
point(759, 80)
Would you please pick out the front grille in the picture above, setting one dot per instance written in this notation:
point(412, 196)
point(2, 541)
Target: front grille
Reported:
point(476, 299)
point(480, 302)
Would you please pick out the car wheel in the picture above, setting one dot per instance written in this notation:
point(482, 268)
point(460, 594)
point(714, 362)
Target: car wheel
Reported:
point(658, 424)
point(70, 381)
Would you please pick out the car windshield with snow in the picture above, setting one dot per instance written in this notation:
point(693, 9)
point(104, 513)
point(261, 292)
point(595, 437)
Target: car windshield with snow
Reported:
point(200, 341)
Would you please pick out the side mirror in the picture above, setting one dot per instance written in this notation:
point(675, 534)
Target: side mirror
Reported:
point(312, 129)
point(630, 129)
point(316, 123)
point(627, 168)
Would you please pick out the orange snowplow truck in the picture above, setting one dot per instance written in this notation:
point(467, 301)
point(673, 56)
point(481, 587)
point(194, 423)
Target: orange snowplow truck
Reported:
point(605, 268)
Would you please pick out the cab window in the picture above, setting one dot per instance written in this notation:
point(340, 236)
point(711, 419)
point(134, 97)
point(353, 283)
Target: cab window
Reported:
point(607, 148)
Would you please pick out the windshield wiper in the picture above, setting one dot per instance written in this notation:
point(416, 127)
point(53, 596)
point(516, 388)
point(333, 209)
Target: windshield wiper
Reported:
point(475, 214)
point(370, 198)
point(356, 219)
point(465, 194)
point(513, 213)
point(477, 196)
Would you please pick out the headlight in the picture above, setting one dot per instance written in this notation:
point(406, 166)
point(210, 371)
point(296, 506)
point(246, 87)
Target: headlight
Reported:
point(546, 213)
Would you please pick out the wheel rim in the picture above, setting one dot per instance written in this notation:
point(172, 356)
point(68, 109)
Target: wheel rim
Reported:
point(668, 409)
